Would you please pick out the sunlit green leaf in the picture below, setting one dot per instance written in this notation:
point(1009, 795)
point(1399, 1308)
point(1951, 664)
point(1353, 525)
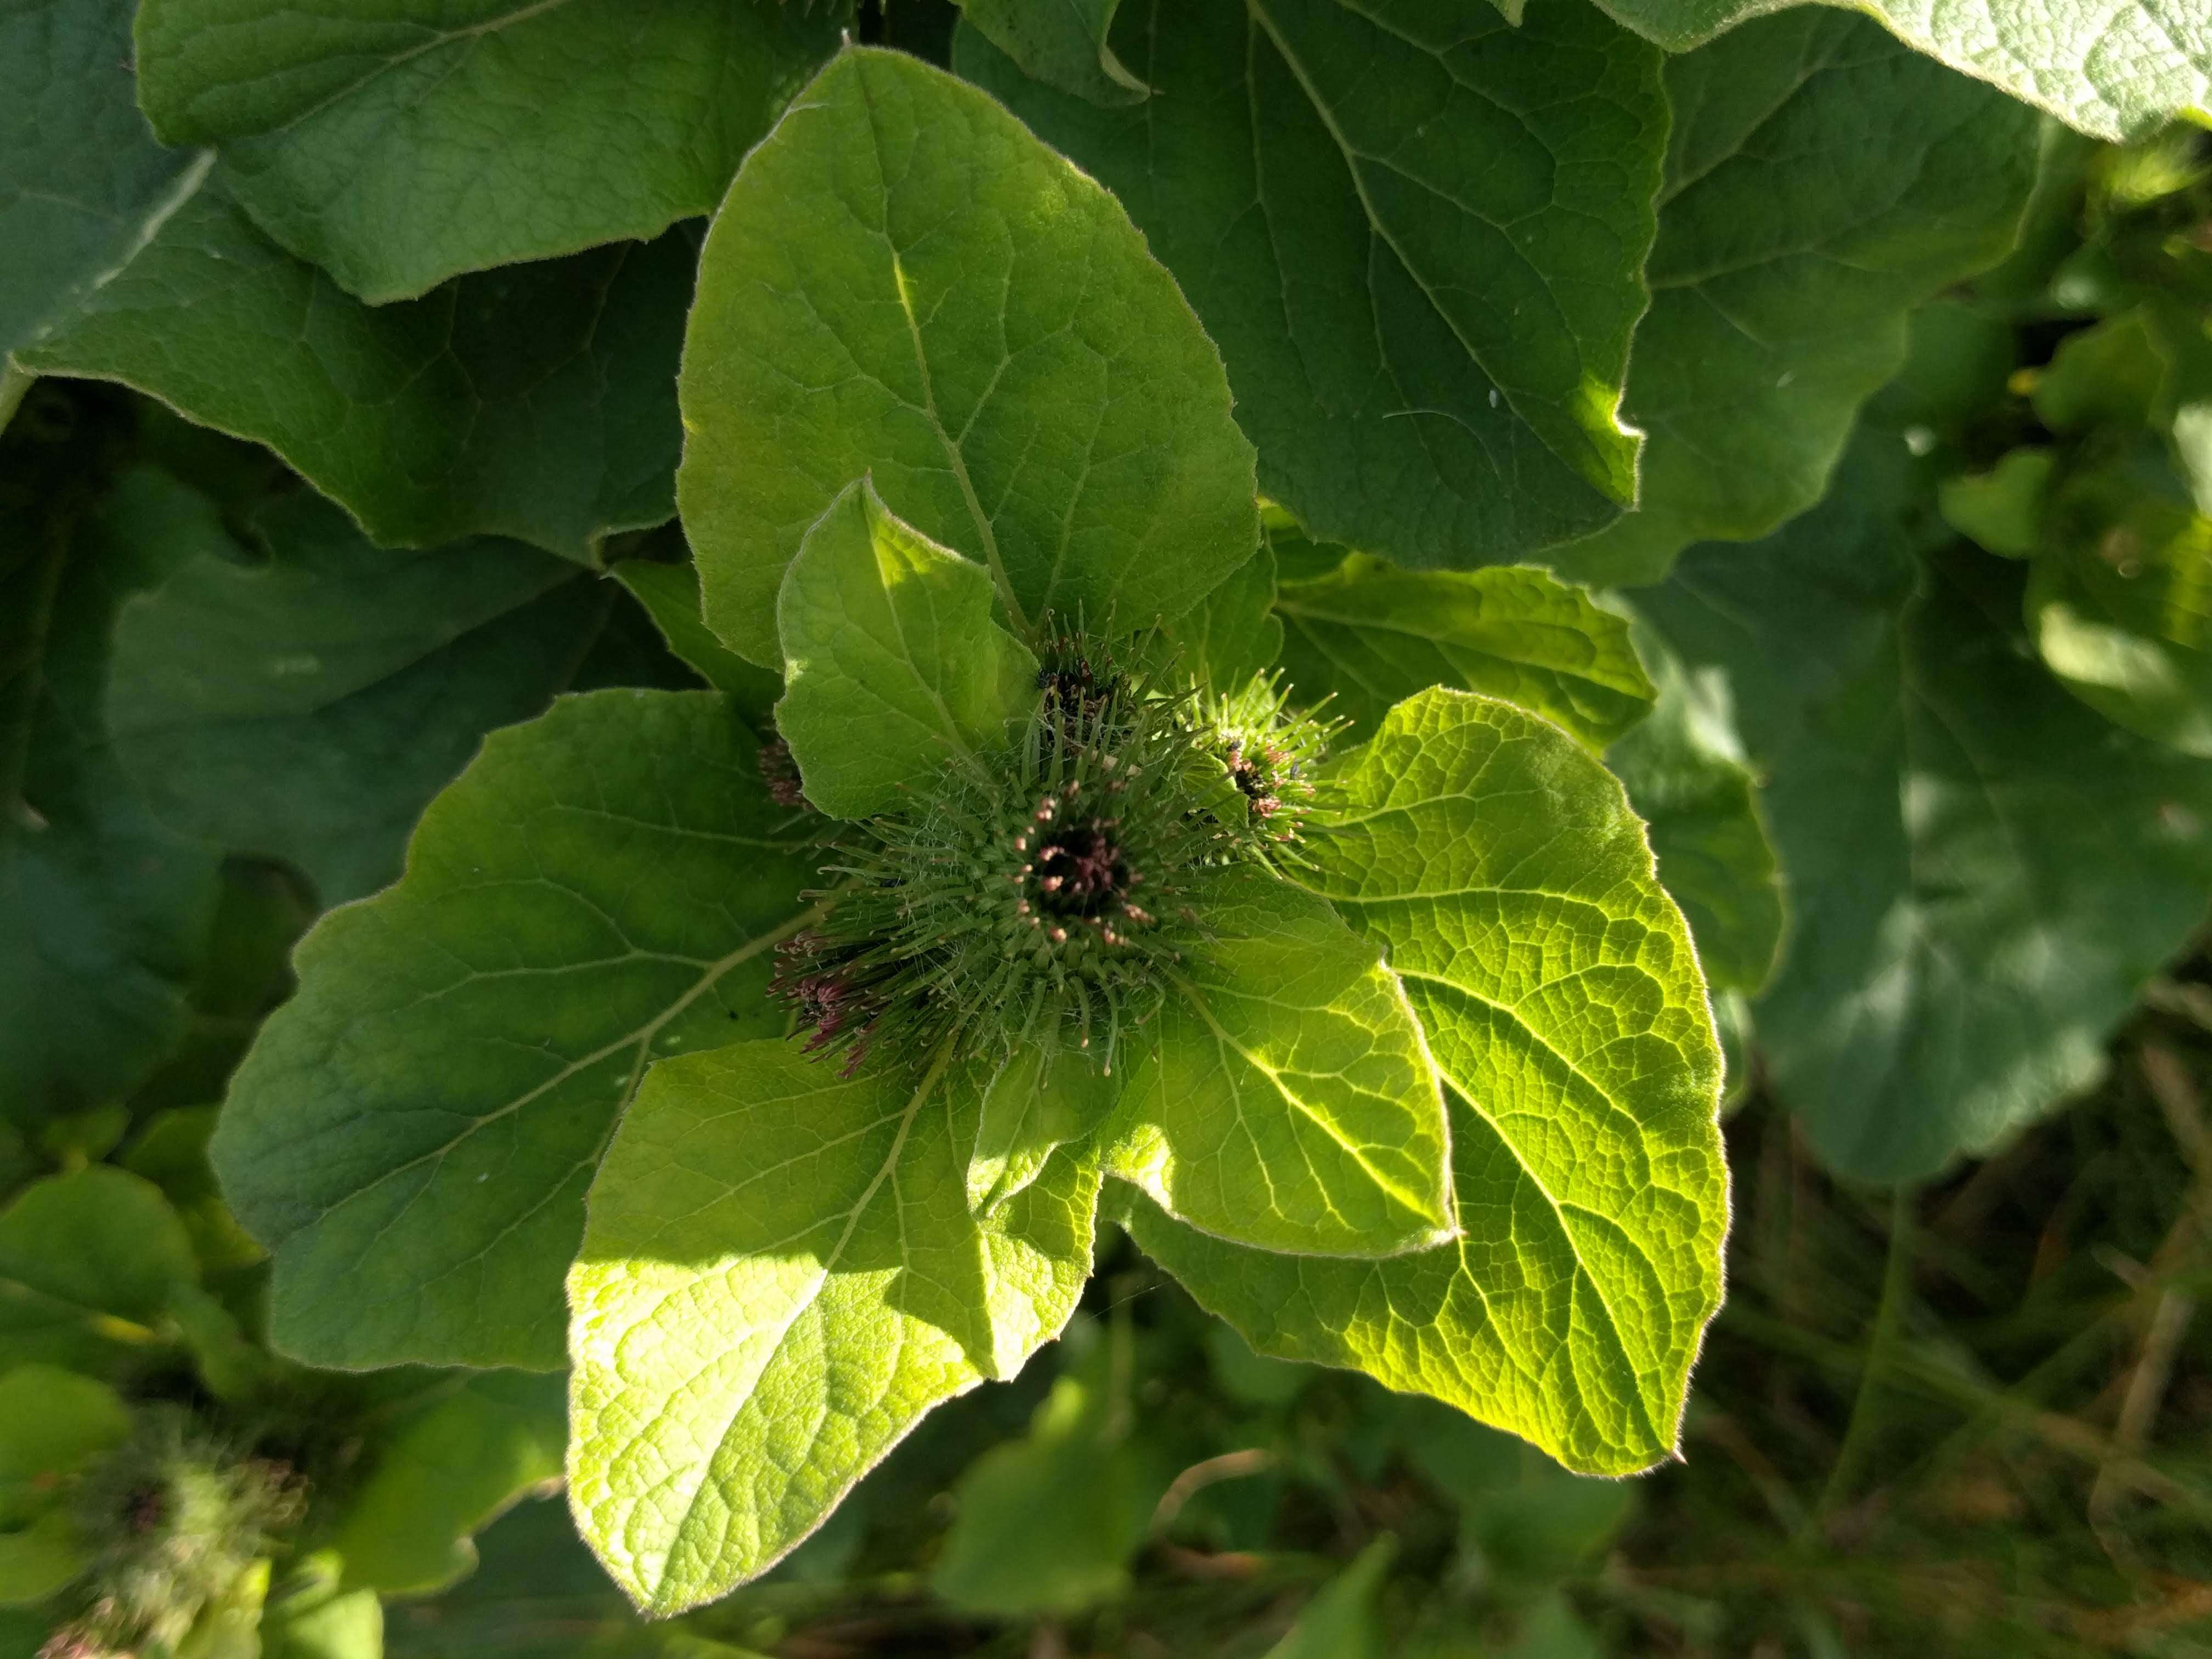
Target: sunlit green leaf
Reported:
point(1285, 1099)
point(413, 1133)
point(781, 1276)
point(893, 667)
point(1499, 863)
point(904, 283)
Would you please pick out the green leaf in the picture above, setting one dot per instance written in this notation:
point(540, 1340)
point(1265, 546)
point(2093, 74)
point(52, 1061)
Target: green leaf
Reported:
point(2119, 604)
point(413, 1133)
point(447, 1474)
point(1343, 1621)
point(50, 1421)
point(2000, 510)
point(781, 1276)
point(1983, 871)
point(87, 1263)
point(398, 142)
point(2108, 375)
point(2117, 70)
point(903, 283)
point(103, 913)
point(171, 1151)
point(531, 402)
point(43, 1558)
point(1822, 180)
point(82, 181)
point(1372, 635)
point(1418, 233)
point(309, 705)
point(1233, 633)
point(1686, 777)
point(669, 593)
point(1037, 1102)
point(1499, 863)
point(892, 664)
point(1061, 43)
point(1046, 1524)
point(1285, 1099)
point(320, 1625)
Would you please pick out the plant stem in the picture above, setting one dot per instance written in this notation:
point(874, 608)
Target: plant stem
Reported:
point(1896, 1283)
point(14, 383)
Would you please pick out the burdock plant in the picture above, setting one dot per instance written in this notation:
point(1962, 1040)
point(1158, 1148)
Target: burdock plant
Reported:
point(772, 1068)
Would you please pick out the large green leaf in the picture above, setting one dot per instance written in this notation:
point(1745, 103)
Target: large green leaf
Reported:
point(1418, 233)
point(781, 1276)
point(89, 1263)
point(1285, 1099)
point(50, 1421)
point(103, 913)
point(82, 182)
point(1499, 862)
point(533, 402)
point(309, 705)
point(669, 593)
point(1062, 43)
point(413, 1133)
point(893, 665)
point(2114, 67)
point(445, 1474)
point(1371, 634)
point(1821, 181)
point(398, 142)
point(1983, 871)
point(904, 283)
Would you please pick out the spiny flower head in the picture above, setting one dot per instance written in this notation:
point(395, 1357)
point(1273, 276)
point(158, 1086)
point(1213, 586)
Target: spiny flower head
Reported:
point(1271, 752)
point(1036, 896)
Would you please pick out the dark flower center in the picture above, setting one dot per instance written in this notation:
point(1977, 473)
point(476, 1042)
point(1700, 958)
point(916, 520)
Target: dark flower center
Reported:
point(1080, 870)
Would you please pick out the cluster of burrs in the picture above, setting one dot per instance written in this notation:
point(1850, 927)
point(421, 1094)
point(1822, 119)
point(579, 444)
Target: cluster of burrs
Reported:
point(1046, 893)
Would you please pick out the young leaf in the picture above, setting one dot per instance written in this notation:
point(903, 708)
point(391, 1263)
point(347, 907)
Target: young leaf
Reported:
point(1372, 635)
point(447, 1474)
point(310, 705)
point(82, 182)
point(1418, 233)
point(399, 143)
point(1286, 1100)
point(88, 1261)
point(104, 912)
point(1983, 871)
point(2118, 70)
point(1821, 181)
point(412, 1134)
point(903, 282)
point(893, 665)
point(781, 1276)
point(531, 402)
point(1062, 44)
point(1499, 863)
point(1686, 776)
